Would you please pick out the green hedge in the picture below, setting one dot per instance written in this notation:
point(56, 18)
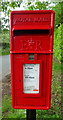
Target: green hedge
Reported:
point(58, 43)
point(4, 43)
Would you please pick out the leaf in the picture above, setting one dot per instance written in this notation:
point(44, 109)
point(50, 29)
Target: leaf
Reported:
point(13, 4)
point(8, 12)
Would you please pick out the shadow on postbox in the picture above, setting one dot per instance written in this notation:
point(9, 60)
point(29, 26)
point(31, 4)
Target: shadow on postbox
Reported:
point(31, 48)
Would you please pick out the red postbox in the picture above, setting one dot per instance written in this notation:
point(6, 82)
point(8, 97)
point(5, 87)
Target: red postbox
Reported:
point(31, 49)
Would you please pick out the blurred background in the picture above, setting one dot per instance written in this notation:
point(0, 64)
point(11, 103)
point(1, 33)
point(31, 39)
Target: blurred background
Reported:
point(6, 6)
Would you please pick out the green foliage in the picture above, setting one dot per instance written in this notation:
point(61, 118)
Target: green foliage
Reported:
point(56, 66)
point(61, 12)
point(9, 112)
point(6, 7)
point(58, 43)
point(6, 103)
point(61, 43)
point(58, 8)
point(4, 43)
point(11, 4)
point(38, 5)
point(4, 37)
point(41, 5)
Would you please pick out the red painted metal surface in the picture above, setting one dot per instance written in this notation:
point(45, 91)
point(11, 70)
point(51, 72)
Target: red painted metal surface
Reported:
point(31, 32)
